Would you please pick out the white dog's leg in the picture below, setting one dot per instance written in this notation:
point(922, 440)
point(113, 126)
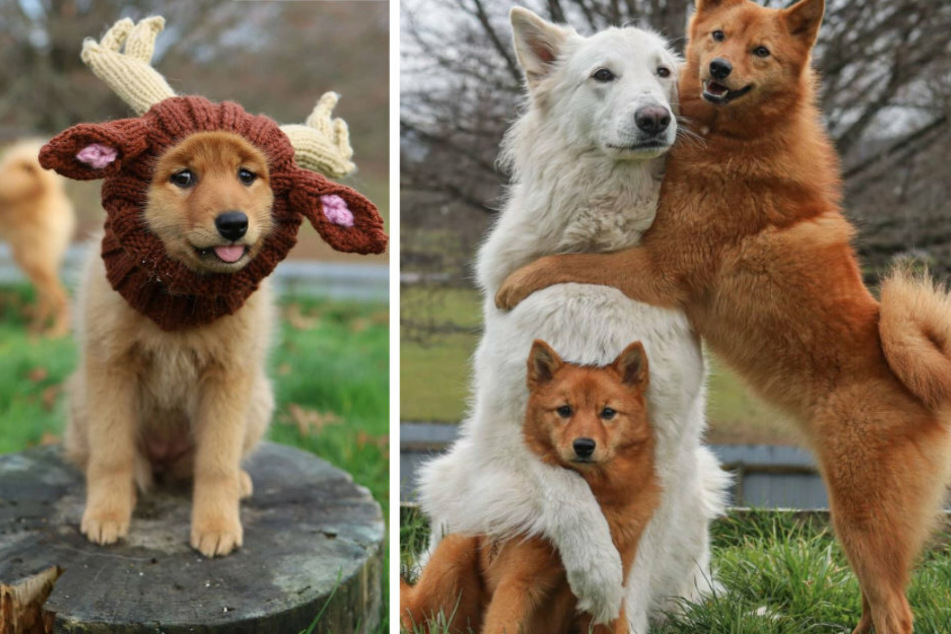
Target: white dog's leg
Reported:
point(572, 519)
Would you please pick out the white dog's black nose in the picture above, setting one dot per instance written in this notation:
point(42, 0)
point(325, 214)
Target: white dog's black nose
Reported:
point(720, 68)
point(652, 119)
point(584, 447)
point(231, 224)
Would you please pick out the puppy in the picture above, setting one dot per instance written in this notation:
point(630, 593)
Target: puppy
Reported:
point(37, 221)
point(750, 241)
point(188, 402)
point(588, 419)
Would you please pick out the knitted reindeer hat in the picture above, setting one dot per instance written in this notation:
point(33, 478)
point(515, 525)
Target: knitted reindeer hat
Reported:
point(124, 154)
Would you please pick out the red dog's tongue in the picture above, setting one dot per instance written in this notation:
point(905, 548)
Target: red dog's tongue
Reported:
point(230, 254)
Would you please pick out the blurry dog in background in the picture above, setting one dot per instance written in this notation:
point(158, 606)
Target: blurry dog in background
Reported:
point(592, 420)
point(37, 221)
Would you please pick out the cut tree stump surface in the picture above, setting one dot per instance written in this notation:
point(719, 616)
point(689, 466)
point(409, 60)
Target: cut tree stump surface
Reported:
point(309, 533)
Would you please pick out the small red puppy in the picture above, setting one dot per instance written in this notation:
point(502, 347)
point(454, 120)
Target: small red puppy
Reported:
point(593, 420)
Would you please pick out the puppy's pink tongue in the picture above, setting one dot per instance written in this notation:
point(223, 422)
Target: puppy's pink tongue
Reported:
point(230, 254)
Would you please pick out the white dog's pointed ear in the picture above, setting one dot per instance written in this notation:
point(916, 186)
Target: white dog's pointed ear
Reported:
point(537, 43)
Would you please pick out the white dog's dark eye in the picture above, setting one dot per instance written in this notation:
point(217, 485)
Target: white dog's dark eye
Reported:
point(603, 75)
point(564, 411)
point(718, 36)
point(246, 176)
point(761, 51)
point(663, 71)
point(183, 179)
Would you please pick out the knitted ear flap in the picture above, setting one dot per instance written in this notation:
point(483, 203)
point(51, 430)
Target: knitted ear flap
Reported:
point(345, 220)
point(90, 151)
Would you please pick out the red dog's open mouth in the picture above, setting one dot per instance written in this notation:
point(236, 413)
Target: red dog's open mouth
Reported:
point(720, 94)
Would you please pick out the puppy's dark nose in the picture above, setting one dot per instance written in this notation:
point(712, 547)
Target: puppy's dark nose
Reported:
point(652, 119)
point(232, 224)
point(720, 68)
point(584, 447)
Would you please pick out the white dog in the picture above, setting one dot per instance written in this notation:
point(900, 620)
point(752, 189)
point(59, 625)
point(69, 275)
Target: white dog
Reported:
point(588, 159)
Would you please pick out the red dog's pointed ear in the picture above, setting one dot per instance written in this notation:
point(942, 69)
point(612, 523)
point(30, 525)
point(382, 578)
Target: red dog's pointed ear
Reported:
point(344, 219)
point(95, 150)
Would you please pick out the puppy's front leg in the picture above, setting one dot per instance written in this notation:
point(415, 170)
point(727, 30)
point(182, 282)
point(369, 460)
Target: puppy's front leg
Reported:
point(219, 434)
point(572, 519)
point(110, 490)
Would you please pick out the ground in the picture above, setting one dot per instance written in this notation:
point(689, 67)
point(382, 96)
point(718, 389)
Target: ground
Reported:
point(781, 573)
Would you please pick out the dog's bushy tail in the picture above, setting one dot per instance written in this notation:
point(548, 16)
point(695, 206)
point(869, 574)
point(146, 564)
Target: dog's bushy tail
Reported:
point(915, 328)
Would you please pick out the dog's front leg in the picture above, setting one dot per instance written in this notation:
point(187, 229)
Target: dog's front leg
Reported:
point(572, 519)
point(110, 490)
point(631, 271)
point(219, 433)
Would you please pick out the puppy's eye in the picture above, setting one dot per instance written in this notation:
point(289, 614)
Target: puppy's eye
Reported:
point(564, 411)
point(603, 75)
point(761, 51)
point(663, 71)
point(607, 413)
point(718, 36)
point(183, 179)
point(246, 176)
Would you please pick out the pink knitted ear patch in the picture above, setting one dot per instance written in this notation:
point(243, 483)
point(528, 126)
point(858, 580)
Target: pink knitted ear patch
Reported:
point(97, 155)
point(336, 210)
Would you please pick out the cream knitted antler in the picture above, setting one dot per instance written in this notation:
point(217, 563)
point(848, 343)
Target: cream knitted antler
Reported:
point(130, 73)
point(322, 144)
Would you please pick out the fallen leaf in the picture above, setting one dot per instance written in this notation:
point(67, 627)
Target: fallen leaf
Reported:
point(38, 374)
point(310, 421)
point(364, 439)
point(50, 395)
point(298, 320)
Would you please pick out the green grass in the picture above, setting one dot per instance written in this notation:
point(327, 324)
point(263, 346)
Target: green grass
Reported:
point(780, 575)
point(434, 371)
point(330, 370)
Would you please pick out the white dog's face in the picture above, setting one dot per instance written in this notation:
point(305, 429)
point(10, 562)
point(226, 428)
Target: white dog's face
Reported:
point(615, 91)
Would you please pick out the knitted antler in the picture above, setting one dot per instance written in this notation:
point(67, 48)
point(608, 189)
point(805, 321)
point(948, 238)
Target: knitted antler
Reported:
point(322, 144)
point(129, 74)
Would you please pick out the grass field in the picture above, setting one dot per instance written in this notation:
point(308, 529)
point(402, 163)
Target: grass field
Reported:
point(330, 369)
point(779, 575)
point(434, 371)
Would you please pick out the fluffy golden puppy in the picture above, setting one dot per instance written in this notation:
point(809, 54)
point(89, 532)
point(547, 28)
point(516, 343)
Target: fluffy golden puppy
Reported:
point(184, 402)
point(38, 221)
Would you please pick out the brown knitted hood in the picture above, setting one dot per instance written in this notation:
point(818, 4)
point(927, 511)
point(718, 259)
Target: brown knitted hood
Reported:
point(124, 154)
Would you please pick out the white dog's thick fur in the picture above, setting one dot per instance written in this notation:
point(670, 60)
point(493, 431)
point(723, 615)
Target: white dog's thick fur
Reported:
point(585, 180)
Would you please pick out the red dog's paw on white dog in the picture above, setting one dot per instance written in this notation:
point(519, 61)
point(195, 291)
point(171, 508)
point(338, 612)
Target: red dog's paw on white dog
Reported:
point(591, 420)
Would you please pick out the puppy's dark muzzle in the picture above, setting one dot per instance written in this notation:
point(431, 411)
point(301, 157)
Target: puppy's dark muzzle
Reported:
point(584, 447)
point(232, 225)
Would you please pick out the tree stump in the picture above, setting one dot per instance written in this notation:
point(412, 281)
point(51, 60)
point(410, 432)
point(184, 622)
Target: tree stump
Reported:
point(312, 545)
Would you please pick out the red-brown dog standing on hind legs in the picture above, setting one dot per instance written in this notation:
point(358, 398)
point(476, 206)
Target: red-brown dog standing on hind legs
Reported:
point(750, 241)
point(592, 420)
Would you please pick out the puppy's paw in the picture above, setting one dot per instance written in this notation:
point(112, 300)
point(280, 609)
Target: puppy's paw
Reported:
point(246, 487)
point(599, 587)
point(216, 536)
point(105, 525)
